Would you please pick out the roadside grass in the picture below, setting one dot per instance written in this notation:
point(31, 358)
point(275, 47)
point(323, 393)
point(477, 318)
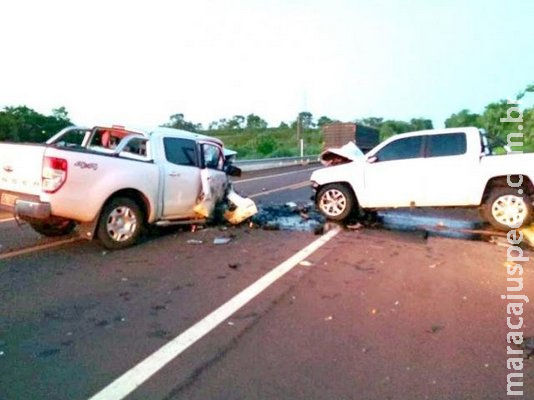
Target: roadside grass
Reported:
point(269, 143)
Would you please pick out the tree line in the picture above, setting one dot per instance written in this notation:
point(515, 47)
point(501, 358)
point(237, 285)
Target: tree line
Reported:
point(22, 124)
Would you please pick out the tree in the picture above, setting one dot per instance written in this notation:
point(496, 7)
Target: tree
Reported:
point(177, 121)
point(372, 122)
point(463, 118)
point(255, 123)
point(324, 120)
point(421, 124)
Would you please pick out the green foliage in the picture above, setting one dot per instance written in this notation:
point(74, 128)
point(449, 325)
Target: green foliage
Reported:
point(266, 145)
point(22, 124)
point(178, 122)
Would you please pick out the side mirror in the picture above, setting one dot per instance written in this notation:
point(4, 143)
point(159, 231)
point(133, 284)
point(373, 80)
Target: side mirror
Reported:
point(372, 159)
point(232, 170)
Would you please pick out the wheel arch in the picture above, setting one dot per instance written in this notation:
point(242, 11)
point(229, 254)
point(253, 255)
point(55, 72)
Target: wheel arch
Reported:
point(502, 181)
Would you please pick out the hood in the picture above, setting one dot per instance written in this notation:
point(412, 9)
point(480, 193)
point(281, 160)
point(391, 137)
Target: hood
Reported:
point(340, 155)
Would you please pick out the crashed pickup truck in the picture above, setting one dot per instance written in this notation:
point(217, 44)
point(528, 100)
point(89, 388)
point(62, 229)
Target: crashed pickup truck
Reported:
point(452, 167)
point(111, 181)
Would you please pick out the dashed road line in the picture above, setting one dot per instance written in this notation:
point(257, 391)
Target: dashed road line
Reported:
point(140, 373)
point(273, 176)
point(294, 186)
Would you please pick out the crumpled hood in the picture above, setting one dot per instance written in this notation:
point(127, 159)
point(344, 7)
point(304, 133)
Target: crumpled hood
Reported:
point(340, 155)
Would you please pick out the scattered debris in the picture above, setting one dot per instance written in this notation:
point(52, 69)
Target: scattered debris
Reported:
point(194, 241)
point(354, 227)
point(290, 216)
point(528, 347)
point(234, 265)
point(240, 208)
point(374, 311)
point(231, 323)
point(306, 263)
point(528, 234)
point(222, 240)
point(329, 318)
point(434, 329)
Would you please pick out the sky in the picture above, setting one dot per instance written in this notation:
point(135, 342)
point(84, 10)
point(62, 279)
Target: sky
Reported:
point(138, 62)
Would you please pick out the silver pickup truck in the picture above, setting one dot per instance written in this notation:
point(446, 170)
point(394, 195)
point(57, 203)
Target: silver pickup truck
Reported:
point(110, 181)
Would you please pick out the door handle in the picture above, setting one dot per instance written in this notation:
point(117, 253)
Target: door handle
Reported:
point(174, 174)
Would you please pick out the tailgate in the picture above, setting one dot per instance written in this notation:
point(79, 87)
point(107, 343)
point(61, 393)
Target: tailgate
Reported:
point(20, 168)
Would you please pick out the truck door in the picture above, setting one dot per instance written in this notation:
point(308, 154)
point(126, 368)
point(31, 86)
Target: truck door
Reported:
point(213, 178)
point(182, 182)
point(450, 170)
point(393, 174)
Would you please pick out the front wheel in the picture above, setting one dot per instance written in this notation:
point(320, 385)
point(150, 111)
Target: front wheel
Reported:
point(120, 223)
point(53, 228)
point(336, 201)
point(505, 208)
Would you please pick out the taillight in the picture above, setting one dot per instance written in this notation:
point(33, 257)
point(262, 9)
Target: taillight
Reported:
point(54, 174)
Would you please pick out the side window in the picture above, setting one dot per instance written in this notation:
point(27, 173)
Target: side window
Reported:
point(213, 158)
point(181, 151)
point(401, 149)
point(447, 144)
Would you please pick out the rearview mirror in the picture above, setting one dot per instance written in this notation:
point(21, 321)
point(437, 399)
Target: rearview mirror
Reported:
point(232, 170)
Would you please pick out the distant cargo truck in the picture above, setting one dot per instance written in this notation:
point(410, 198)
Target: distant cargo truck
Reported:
point(337, 134)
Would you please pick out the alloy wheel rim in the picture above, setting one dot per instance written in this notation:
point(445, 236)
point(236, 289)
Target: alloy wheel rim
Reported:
point(509, 210)
point(333, 202)
point(121, 224)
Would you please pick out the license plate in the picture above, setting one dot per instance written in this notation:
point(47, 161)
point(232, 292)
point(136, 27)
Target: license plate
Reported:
point(8, 199)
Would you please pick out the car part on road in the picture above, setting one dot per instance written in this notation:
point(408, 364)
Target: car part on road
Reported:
point(120, 223)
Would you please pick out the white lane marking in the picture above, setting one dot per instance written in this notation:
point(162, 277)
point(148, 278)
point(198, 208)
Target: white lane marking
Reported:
point(293, 186)
point(38, 247)
point(274, 176)
point(136, 376)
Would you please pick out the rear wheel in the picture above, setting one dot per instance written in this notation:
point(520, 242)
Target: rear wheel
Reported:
point(120, 223)
point(505, 208)
point(336, 201)
point(52, 228)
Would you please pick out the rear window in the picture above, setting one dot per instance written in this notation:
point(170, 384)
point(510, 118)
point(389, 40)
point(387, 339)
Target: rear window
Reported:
point(447, 144)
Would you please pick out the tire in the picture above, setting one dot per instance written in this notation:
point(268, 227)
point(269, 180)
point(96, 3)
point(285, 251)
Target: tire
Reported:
point(336, 201)
point(59, 227)
point(505, 208)
point(120, 223)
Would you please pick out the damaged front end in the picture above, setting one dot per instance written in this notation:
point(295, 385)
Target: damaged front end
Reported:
point(340, 155)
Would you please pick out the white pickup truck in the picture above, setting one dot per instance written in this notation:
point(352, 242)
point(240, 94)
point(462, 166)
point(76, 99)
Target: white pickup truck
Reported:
point(433, 168)
point(112, 180)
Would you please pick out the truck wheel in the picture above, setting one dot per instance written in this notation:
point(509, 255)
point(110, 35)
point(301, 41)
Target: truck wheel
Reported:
point(53, 228)
point(120, 223)
point(336, 201)
point(505, 208)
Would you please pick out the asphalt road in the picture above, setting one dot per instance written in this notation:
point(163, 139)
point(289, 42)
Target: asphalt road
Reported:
point(370, 314)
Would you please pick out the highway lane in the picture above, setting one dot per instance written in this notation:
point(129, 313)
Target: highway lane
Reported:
point(355, 318)
point(75, 316)
point(276, 186)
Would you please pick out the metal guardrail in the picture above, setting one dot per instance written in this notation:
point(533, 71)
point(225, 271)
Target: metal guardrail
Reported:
point(265, 163)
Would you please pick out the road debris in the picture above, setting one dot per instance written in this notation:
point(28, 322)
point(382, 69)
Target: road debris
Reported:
point(194, 241)
point(329, 318)
point(306, 263)
point(234, 265)
point(435, 329)
point(240, 208)
point(222, 240)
